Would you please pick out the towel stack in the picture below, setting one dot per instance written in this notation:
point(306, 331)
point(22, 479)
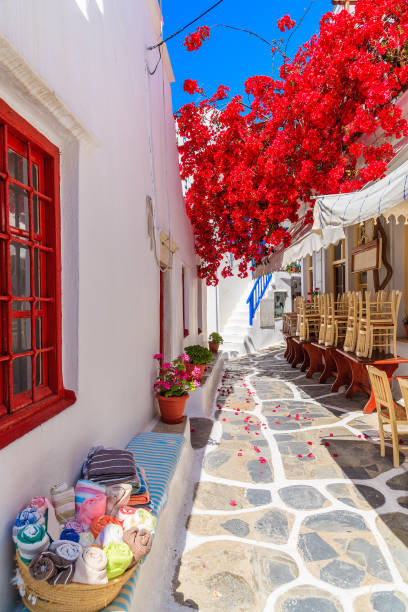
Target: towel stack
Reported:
point(110, 466)
point(140, 495)
point(63, 499)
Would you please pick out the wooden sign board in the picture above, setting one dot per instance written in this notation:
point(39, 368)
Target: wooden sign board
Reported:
point(366, 257)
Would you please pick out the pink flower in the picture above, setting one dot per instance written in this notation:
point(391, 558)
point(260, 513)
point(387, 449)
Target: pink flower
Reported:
point(262, 459)
point(256, 449)
point(158, 356)
point(185, 357)
point(233, 502)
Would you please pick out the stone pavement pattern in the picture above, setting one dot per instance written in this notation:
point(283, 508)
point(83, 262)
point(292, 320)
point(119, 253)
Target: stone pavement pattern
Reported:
point(294, 510)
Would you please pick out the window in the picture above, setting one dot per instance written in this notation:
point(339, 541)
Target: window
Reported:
point(31, 388)
point(184, 282)
point(199, 304)
point(339, 267)
point(362, 236)
point(309, 268)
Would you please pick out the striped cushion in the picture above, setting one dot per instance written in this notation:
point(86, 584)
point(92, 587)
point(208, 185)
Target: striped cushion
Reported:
point(158, 454)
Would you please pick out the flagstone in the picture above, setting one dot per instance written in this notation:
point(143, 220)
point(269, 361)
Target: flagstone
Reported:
point(357, 496)
point(306, 598)
point(303, 497)
point(381, 601)
point(272, 525)
point(227, 575)
point(238, 458)
point(393, 526)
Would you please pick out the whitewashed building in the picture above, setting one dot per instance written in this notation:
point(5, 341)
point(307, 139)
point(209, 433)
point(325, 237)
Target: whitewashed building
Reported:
point(91, 209)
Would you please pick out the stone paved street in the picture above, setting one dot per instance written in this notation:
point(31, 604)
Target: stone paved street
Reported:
point(294, 510)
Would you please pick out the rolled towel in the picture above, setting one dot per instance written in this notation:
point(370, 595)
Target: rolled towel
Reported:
point(136, 517)
point(91, 509)
point(78, 527)
point(139, 541)
point(90, 567)
point(63, 499)
point(110, 533)
point(99, 523)
point(69, 534)
point(119, 558)
point(28, 516)
point(32, 540)
point(47, 510)
point(117, 495)
point(86, 538)
point(66, 549)
point(86, 489)
point(51, 567)
point(140, 495)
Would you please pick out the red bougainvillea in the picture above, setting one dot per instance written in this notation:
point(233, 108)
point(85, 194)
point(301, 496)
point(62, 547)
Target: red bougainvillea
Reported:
point(191, 87)
point(196, 39)
point(285, 22)
point(311, 131)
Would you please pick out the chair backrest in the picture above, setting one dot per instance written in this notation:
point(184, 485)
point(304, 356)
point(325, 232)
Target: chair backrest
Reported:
point(381, 389)
point(403, 383)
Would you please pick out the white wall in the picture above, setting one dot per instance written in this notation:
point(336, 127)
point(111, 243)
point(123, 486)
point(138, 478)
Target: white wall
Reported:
point(92, 55)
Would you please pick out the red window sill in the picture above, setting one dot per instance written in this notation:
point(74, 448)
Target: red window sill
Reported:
point(14, 426)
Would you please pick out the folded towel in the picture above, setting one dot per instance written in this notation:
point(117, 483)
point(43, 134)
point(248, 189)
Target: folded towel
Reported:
point(110, 466)
point(32, 540)
point(49, 566)
point(69, 534)
point(136, 517)
point(117, 495)
point(66, 549)
point(119, 558)
point(47, 510)
point(110, 533)
point(86, 489)
point(91, 509)
point(99, 523)
point(90, 567)
point(140, 495)
point(86, 538)
point(63, 499)
point(28, 516)
point(139, 541)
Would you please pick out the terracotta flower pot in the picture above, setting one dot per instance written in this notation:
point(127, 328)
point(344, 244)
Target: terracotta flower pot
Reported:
point(406, 329)
point(172, 408)
point(213, 346)
point(190, 367)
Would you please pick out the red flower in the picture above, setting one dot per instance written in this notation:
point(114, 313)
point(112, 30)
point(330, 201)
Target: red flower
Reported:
point(191, 87)
point(285, 22)
point(194, 40)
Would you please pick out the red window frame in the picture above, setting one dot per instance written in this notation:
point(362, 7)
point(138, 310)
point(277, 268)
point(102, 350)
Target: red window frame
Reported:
point(22, 412)
point(183, 280)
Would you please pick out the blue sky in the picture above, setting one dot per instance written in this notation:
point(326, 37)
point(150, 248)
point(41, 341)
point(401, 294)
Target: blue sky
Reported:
point(230, 57)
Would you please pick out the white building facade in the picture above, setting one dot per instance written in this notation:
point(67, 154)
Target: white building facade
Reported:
point(88, 136)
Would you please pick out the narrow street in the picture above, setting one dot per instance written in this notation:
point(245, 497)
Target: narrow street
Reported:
point(294, 510)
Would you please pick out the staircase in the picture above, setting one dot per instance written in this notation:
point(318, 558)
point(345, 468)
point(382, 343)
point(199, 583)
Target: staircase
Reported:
point(241, 338)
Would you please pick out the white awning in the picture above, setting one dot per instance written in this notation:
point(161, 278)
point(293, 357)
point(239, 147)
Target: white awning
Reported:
point(387, 196)
point(312, 242)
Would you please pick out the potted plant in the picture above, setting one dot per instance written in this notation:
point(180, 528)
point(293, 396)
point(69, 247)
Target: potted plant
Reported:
point(214, 342)
point(172, 386)
point(406, 325)
point(199, 357)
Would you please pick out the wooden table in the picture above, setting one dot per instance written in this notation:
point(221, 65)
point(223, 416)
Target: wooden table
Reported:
point(359, 374)
point(329, 367)
point(315, 358)
point(300, 355)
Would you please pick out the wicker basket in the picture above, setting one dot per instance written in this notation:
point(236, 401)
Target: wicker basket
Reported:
point(72, 597)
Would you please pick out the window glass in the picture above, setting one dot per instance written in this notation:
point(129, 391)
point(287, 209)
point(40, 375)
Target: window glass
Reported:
point(21, 331)
point(18, 201)
point(21, 374)
point(20, 270)
point(338, 251)
point(18, 167)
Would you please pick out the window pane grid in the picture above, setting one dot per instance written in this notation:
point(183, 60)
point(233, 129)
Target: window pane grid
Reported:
point(23, 354)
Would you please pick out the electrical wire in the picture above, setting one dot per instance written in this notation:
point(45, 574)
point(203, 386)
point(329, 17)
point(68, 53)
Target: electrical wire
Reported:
point(184, 27)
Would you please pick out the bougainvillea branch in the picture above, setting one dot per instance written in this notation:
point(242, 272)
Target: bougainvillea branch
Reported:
point(308, 132)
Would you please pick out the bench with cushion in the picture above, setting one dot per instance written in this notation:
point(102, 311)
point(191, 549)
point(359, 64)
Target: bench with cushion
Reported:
point(159, 454)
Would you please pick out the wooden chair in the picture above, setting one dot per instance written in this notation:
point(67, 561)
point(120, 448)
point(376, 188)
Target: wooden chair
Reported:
point(378, 324)
point(388, 411)
point(336, 319)
point(309, 320)
point(350, 338)
point(324, 311)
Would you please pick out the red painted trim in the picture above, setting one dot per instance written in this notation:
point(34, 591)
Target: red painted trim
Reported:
point(28, 410)
point(21, 422)
point(185, 330)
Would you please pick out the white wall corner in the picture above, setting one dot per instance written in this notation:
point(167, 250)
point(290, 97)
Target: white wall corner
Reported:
point(33, 87)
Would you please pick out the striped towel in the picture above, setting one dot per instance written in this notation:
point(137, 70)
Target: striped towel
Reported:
point(86, 489)
point(110, 466)
point(63, 499)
